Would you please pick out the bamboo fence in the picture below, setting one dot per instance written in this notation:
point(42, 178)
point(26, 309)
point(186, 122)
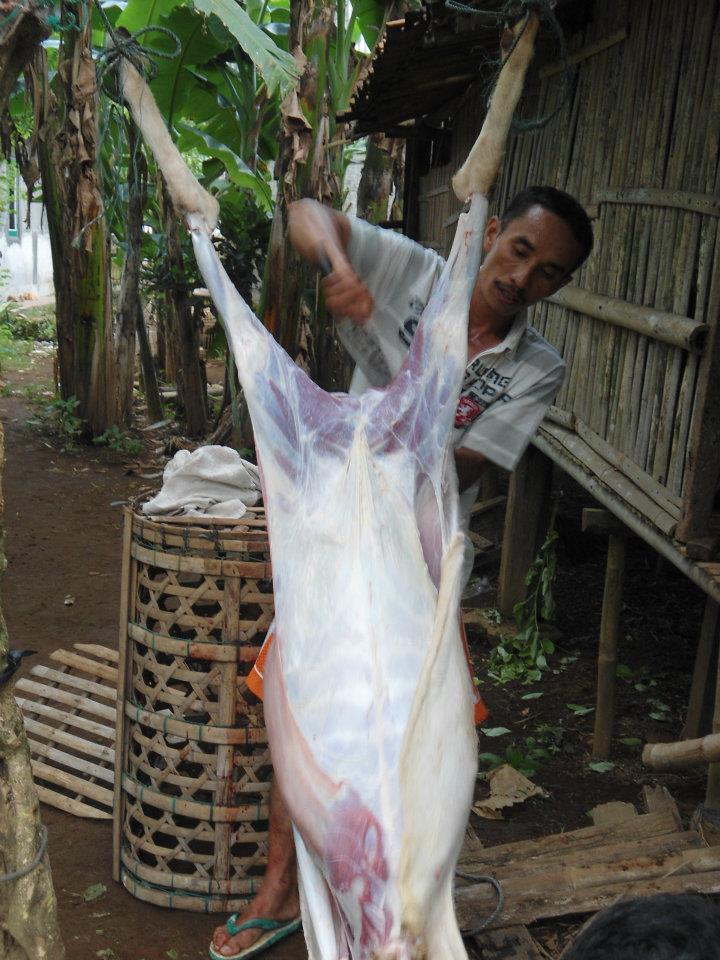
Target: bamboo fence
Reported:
point(192, 760)
point(637, 144)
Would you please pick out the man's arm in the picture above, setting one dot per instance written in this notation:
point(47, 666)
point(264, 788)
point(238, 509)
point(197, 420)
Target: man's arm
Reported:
point(470, 467)
point(316, 231)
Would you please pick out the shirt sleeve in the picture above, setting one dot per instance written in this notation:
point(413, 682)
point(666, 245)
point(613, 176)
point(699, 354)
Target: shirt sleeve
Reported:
point(503, 431)
point(386, 260)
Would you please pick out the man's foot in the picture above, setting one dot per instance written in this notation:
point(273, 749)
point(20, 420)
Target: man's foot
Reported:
point(281, 904)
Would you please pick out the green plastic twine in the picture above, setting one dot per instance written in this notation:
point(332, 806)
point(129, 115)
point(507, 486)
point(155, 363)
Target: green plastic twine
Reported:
point(510, 11)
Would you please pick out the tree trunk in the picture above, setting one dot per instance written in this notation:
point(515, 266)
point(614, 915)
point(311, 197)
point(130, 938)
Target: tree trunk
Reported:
point(28, 909)
point(68, 141)
point(149, 377)
point(184, 330)
point(382, 173)
point(303, 171)
point(129, 299)
point(23, 27)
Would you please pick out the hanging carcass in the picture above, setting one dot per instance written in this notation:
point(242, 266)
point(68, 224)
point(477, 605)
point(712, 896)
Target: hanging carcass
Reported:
point(368, 699)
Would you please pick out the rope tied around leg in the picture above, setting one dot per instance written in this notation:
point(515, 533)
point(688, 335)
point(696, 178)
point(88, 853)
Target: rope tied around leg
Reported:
point(511, 11)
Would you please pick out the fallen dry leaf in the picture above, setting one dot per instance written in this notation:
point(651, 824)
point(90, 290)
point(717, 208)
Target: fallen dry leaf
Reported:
point(507, 788)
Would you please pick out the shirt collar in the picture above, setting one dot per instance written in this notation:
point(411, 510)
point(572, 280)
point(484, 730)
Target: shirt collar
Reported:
point(512, 338)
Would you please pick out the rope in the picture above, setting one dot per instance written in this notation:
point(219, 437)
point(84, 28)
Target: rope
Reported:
point(500, 898)
point(128, 46)
point(24, 871)
point(508, 11)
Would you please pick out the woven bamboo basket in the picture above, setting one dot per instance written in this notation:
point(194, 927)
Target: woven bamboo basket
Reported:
point(192, 762)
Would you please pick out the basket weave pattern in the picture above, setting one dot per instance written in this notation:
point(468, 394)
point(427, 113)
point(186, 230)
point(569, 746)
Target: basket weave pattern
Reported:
point(191, 828)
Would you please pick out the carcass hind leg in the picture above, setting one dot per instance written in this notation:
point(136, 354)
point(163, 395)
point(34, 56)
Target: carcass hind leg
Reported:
point(443, 940)
point(324, 938)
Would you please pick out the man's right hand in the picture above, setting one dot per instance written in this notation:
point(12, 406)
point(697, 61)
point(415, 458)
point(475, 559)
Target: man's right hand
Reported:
point(319, 233)
point(345, 293)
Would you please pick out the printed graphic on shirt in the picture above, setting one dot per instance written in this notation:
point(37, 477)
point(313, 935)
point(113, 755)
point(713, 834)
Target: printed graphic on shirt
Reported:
point(408, 327)
point(483, 384)
point(468, 409)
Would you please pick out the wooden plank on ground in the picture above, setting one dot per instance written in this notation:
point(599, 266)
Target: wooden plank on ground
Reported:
point(528, 908)
point(645, 826)
point(510, 943)
point(101, 690)
point(628, 853)
point(658, 799)
point(79, 703)
point(616, 811)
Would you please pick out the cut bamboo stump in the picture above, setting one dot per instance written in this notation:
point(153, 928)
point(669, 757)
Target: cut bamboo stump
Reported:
point(192, 771)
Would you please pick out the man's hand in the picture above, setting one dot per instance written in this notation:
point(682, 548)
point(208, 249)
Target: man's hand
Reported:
point(321, 234)
point(345, 293)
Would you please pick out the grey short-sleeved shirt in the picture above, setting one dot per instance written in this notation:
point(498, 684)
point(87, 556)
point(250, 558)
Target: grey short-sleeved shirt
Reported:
point(507, 388)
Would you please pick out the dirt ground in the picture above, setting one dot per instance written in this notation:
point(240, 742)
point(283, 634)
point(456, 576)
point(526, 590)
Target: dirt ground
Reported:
point(63, 537)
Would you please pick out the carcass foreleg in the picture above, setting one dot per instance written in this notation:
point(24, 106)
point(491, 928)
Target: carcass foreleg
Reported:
point(479, 171)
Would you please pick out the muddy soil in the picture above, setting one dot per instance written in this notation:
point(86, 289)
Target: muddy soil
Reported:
point(63, 539)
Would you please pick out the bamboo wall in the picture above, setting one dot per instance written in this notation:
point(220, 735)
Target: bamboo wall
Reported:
point(644, 119)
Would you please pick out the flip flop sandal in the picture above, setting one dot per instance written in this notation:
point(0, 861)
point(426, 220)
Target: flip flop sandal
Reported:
point(273, 932)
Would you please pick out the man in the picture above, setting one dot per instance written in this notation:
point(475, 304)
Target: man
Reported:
point(381, 281)
point(664, 927)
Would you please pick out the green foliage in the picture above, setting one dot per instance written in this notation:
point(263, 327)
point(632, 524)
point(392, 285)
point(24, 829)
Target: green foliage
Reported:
point(579, 710)
point(524, 656)
point(601, 766)
point(277, 67)
point(28, 324)
point(14, 354)
point(527, 755)
point(116, 439)
point(244, 237)
point(59, 417)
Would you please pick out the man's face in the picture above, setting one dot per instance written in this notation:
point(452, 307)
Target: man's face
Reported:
point(528, 260)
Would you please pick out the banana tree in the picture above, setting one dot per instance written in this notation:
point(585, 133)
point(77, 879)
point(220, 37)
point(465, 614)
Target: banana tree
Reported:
point(324, 37)
point(219, 108)
point(67, 139)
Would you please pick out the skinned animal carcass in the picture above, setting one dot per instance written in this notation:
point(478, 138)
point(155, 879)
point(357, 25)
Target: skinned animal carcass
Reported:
point(368, 698)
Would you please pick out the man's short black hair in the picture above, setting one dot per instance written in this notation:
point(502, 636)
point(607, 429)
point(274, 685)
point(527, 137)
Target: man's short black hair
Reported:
point(663, 927)
point(559, 203)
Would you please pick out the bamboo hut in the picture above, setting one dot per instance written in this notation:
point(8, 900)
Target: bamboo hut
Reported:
point(634, 135)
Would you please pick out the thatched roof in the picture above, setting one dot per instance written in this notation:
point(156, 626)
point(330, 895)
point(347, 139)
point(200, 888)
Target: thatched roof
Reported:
point(427, 61)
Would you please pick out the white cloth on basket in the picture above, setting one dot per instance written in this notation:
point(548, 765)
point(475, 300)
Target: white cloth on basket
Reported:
point(210, 481)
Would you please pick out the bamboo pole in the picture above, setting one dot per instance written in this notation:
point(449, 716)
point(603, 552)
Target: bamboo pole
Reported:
point(706, 580)
point(607, 648)
point(712, 792)
point(608, 475)
point(706, 651)
point(657, 324)
point(683, 754)
point(226, 717)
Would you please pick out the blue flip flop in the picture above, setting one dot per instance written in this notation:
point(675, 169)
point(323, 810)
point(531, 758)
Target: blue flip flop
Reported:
point(273, 932)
